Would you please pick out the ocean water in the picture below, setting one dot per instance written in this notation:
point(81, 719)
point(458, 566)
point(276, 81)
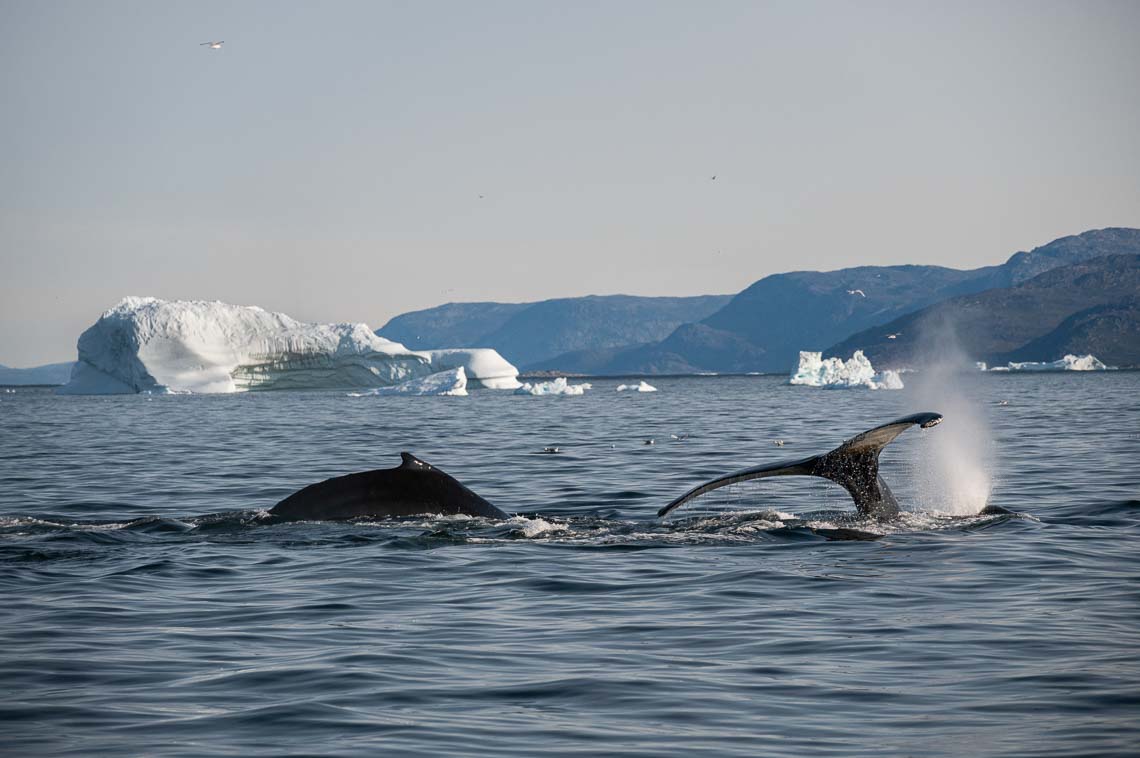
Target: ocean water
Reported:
point(147, 609)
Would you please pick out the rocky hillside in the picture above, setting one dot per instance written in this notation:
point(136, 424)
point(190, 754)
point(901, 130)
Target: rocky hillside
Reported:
point(765, 326)
point(1081, 308)
point(528, 333)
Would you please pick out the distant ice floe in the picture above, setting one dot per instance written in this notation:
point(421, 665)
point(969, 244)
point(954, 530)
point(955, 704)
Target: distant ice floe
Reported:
point(144, 344)
point(558, 386)
point(1068, 363)
point(453, 382)
point(835, 373)
point(642, 386)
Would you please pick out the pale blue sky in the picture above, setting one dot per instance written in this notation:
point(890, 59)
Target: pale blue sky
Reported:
point(328, 161)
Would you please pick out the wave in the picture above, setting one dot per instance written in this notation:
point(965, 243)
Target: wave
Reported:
point(427, 532)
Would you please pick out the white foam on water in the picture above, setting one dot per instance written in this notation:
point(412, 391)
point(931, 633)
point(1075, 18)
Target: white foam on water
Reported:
point(534, 527)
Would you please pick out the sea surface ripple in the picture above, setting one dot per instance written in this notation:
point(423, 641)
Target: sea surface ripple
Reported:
point(148, 608)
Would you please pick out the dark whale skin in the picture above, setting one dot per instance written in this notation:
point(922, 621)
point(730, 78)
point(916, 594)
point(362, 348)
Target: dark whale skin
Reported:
point(411, 489)
point(854, 465)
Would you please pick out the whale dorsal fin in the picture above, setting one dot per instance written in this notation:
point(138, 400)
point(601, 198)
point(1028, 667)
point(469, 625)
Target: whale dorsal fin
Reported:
point(854, 465)
point(411, 461)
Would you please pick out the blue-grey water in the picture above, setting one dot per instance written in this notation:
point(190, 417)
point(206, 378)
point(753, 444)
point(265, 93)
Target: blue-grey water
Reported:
point(146, 608)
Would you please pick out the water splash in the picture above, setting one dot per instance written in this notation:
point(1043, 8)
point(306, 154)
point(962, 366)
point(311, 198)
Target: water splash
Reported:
point(953, 467)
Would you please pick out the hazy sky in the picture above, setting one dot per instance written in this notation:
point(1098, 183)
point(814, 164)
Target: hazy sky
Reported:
point(328, 162)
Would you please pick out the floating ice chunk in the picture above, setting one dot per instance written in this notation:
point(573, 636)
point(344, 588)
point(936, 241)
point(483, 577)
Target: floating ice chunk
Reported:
point(1068, 363)
point(558, 386)
point(1083, 363)
point(484, 367)
point(641, 386)
point(835, 373)
point(453, 382)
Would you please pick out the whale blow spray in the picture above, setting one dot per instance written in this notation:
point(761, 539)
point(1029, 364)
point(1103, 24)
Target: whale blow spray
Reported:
point(955, 473)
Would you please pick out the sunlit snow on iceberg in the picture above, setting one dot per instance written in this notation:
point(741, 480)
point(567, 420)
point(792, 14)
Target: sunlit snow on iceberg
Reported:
point(835, 373)
point(144, 344)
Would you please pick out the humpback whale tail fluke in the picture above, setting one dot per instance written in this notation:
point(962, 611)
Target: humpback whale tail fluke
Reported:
point(854, 465)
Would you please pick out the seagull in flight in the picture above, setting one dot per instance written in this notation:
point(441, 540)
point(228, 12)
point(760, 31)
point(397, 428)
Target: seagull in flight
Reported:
point(214, 45)
point(860, 293)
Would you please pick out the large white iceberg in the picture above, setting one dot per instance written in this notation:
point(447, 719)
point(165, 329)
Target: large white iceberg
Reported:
point(835, 373)
point(144, 344)
point(557, 386)
point(453, 382)
point(1068, 363)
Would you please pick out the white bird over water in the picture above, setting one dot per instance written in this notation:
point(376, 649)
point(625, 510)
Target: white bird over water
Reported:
point(214, 45)
point(860, 293)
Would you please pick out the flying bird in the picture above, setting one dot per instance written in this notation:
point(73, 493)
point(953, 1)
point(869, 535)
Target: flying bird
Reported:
point(860, 293)
point(214, 45)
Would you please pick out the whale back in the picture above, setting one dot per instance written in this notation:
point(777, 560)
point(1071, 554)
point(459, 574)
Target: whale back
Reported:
point(413, 488)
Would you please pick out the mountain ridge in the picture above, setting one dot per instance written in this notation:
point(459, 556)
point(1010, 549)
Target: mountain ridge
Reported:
point(764, 327)
point(1039, 319)
point(525, 333)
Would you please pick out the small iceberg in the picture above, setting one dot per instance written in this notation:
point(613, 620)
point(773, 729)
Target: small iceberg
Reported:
point(453, 383)
point(1068, 363)
point(558, 386)
point(642, 386)
point(484, 367)
point(835, 373)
